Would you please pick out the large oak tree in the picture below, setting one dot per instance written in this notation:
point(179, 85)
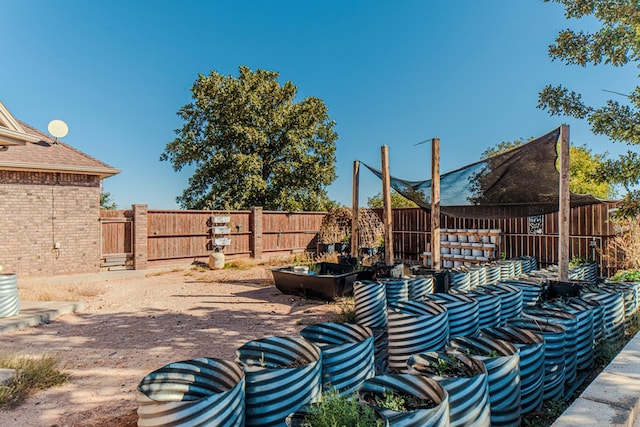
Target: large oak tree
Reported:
point(252, 144)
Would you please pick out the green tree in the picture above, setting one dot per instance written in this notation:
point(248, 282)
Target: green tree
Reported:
point(397, 201)
point(583, 165)
point(616, 42)
point(106, 202)
point(252, 145)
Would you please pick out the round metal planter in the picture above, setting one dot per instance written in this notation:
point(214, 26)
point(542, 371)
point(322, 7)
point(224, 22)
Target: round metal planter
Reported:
point(282, 374)
point(347, 354)
point(419, 286)
point(489, 307)
point(463, 312)
point(613, 315)
point(468, 390)
point(630, 294)
point(493, 274)
point(502, 360)
point(370, 303)
point(571, 339)
point(415, 327)
point(531, 348)
point(554, 337)
point(459, 280)
point(598, 315)
point(396, 290)
point(529, 264)
point(584, 334)
point(510, 299)
point(531, 291)
point(507, 270)
point(482, 274)
point(198, 392)
point(412, 385)
point(8, 295)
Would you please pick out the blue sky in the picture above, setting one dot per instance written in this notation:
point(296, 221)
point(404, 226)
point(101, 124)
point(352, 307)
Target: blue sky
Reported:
point(391, 72)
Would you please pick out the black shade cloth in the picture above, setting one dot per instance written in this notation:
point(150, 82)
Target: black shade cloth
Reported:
point(520, 182)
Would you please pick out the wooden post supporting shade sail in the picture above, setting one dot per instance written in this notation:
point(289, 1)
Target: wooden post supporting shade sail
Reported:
point(435, 203)
point(355, 229)
point(387, 212)
point(564, 206)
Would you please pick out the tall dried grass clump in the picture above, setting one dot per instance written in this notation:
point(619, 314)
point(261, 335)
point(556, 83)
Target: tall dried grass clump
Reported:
point(31, 375)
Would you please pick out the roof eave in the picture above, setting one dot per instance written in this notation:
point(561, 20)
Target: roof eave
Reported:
point(30, 167)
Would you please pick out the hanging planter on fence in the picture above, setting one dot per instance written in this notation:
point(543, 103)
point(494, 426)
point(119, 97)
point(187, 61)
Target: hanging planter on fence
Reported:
point(502, 362)
point(415, 327)
point(282, 374)
point(531, 349)
point(463, 313)
point(370, 303)
point(554, 337)
point(200, 391)
point(347, 354)
point(435, 413)
point(419, 286)
point(510, 299)
point(464, 378)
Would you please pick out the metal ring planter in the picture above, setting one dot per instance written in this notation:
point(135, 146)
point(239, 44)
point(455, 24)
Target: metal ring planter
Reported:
point(570, 322)
point(460, 280)
point(489, 307)
point(370, 303)
point(468, 394)
point(630, 293)
point(503, 375)
point(554, 337)
point(273, 390)
point(598, 315)
point(415, 327)
point(531, 348)
point(510, 299)
point(584, 333)
point(396, 290)
point(507, 270)
point(419, 286)
point(194, 392)
point(347, 354)
point(493, 274)
point(613, 316)
point(529, 264)
point(463, 313)
point(531, 291)
point(413, 385)
point(8, 295)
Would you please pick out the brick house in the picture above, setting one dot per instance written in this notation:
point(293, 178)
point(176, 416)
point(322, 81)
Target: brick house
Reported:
point(49, 203)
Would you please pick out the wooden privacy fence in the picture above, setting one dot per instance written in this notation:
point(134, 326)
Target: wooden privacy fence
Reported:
point(166, 236)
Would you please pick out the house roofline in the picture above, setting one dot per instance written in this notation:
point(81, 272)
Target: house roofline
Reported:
point(31, 167)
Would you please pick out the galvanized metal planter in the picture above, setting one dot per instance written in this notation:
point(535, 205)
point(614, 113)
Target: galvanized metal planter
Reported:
point(370, 303)
point(194, 392)
point(419, 286)
point(468, 394)
point(507, 270)
point(503, 375)
point(584, 333)
point(413, 385)
point(630, 293)
point(613, 315)
point(282, 374)
point(489, 308)
point(396, 290)
point(347, 354)
point(459, 280)
point(554, 348)
point(464, 313)
point(415, 327)
point(570, 323)
point(493, 274)
point(531, 291)
point(8, 295)
point(510, 299)
point(531, 348)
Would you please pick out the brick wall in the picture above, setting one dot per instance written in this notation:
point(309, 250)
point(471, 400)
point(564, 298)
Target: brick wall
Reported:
point(38, 209)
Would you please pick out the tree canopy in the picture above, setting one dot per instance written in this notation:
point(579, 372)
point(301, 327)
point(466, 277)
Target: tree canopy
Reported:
point(582, 167)
point(616, 43)
point(253, 145)
point(397, 201)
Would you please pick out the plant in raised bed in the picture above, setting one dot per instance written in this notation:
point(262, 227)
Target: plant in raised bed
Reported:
point(336, 410)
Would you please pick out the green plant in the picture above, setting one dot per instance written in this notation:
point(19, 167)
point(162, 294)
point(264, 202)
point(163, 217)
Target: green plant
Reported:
point(392, 401)
point(347, 312)
point(32, 374)
point(578, 261)
point(626, 276)
point(334, 410)
point(551, 409)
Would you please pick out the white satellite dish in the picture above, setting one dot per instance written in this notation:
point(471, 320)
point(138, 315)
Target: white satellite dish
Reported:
point(58, 128)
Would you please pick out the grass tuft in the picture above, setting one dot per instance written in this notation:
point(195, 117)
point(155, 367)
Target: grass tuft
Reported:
point(32, 375)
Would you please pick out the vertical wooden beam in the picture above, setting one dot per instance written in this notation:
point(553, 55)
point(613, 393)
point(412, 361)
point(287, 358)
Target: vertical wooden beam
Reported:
point(255, 223)
point(140, 237)
point(435, 203)
point(387, 212)
point(355, 226)
point(565, 206)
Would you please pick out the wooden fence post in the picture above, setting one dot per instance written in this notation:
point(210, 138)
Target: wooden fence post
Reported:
point(255, 223)
point(140, 236)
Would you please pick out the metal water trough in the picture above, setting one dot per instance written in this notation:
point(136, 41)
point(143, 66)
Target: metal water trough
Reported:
point(328, 282)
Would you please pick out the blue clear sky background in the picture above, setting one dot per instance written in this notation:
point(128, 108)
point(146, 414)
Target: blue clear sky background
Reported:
point(391, 72)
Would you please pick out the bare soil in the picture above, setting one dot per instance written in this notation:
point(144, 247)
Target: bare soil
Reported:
point(132, 326)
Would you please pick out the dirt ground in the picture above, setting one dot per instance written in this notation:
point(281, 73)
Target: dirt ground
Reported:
point(132, 326)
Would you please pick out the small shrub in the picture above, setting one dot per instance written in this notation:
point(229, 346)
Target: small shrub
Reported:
point(626, 276)
point(31, 375)
point(347, 312)
point(335, 410)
